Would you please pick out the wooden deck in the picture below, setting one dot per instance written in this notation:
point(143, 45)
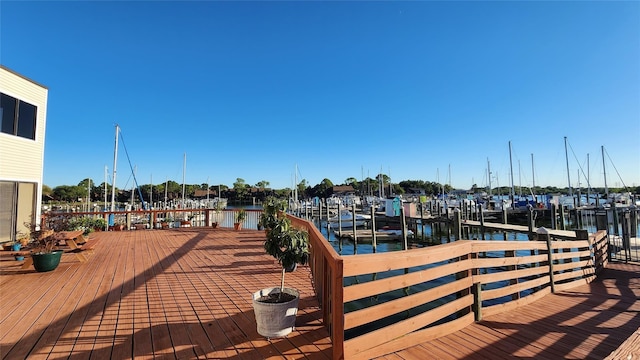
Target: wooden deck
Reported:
point(186, 293)
point(171, 294)
point(595, 321)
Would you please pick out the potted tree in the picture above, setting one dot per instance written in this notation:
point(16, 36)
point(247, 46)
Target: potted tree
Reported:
point(269, 215)
point(276, 308)
point(45, 255)
point(240, 216)
point(217, 211)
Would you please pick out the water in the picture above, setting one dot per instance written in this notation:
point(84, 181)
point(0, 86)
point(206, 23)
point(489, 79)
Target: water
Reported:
point(432, 236)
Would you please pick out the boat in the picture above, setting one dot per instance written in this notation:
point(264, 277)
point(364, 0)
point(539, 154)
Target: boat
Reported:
point(345, 220)
point(394, 231)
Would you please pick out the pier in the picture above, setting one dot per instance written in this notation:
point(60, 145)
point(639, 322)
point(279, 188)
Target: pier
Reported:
point(186, 293)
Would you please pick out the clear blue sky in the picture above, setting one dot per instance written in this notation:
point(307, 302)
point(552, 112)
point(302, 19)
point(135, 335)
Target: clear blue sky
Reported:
point(417, 90)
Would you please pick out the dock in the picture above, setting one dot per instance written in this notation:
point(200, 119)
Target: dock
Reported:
point(366, 235)
point(517, 228)
point(185, 293)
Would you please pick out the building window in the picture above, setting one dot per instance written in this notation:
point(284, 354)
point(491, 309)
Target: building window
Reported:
point(18, 117)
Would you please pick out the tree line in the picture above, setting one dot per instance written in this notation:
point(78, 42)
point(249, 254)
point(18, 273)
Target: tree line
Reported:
point(240, 190)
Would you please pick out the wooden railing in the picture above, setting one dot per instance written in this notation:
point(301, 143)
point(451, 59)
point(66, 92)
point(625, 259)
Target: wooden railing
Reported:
point(375, 304)
point(327, 270)
point(152, 219)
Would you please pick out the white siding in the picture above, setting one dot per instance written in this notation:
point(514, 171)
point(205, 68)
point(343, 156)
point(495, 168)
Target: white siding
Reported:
point(23, 159)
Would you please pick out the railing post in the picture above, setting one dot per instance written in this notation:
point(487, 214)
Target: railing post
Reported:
point(403, 223)
point(543, 235)
point(374, 240)
point(477, 300)
point(457, 224)
point(337, 312)
point(481, 215)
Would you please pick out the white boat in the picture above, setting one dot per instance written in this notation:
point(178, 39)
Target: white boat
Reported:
point(397, 232)
point(345, 220)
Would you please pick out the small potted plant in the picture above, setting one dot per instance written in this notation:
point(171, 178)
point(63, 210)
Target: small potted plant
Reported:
point(240, 216)
point(275, 308)
point(16, 243)
point(217, 211)
point(45, 254)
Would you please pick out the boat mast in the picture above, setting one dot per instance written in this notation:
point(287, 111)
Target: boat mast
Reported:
point(533, 175)
point(115, 162)
point(588, 180)
point(566, 155)
point(133, 186)
point(489, 175)
point(295, 187)
point(184, 170)
point(166, 182)
point(512, 193)
point(105, 187)
point(604, 169)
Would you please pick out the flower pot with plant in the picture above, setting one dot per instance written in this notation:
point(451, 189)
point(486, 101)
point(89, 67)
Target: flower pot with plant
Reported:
point(217, 212)
point(276, 308)
point(240, 216)
point(16, 243)
point(46, 256)
point(270, 209)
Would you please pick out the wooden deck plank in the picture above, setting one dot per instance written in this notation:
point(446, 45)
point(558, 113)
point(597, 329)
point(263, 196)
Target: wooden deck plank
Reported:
point(103, 346)
point(186, 293)
point(69, 333)
point(142, 327)
point(125, 327)
point(193, 333)
point(82, 294)
point(587, 322)
point(94, 310)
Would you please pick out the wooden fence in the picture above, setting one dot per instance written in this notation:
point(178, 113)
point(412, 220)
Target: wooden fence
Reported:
point(158, 219)
point(374, 304)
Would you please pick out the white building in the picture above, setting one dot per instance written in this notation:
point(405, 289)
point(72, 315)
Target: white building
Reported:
point(23, 113)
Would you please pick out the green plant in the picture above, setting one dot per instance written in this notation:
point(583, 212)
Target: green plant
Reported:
point(241, 215)
point(99, 223)
point(43, 240)
point(287, 244)
point(86, 224)
point(18, 237)
point(270, 209)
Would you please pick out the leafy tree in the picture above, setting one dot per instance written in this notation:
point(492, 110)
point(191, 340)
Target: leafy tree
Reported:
point(68, 193)
point(46, 190)
point(262, 184)
point(353, 182)
point(241, 188)
point(322, 189)
point(302, 187)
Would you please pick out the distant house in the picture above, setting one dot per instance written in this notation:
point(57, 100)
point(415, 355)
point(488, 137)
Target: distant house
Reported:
point(202, 194)
point(23, 107)
point(343, 190)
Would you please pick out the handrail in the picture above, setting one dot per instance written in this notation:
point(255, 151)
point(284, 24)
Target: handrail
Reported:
point(420, 294)
point(197, 217)
point(327, 271)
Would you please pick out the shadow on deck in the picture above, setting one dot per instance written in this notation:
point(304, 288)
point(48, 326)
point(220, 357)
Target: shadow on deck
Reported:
point(182, 293)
